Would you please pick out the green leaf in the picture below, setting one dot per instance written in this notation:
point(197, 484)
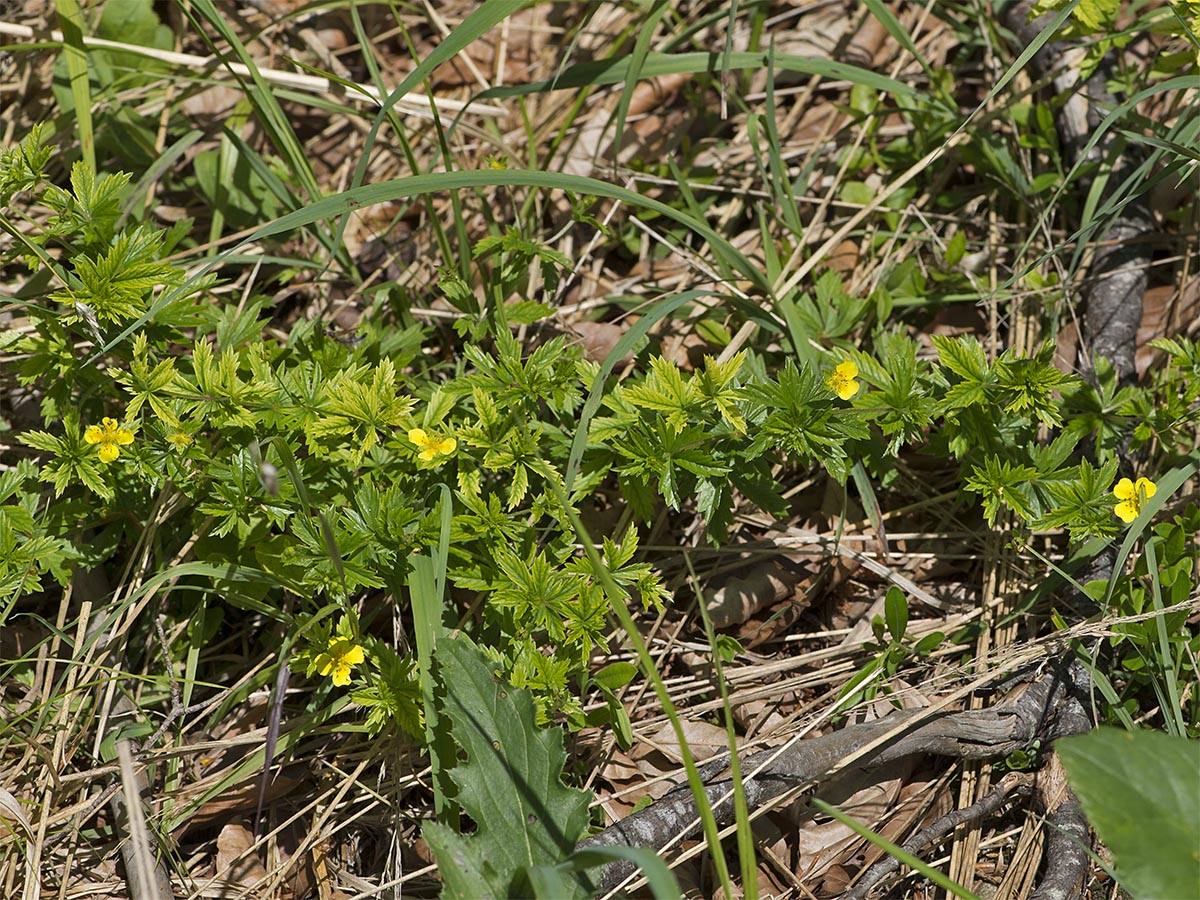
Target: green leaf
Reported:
point(1000, 482)
point(21, 166)
point(526, 312)
point(929, 643)
point(41, 440)
point(955, 249)
point(356, 198)
point(615, 675)
point(510, 784)
point(660, 879)
point(1140, 791)
point(115, 284)
point(134, 22)
point(617, 71)
point(895, 609)
point(963, 356)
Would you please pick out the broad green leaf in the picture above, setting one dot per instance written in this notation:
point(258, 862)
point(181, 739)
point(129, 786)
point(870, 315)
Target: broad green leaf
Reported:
point(510, 784)
point(895, 607)
point(1141, 792)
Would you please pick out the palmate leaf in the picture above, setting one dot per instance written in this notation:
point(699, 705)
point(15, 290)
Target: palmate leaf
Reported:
point(90, 209)
point(21, 166)
point(510, 785)
point(117, 282)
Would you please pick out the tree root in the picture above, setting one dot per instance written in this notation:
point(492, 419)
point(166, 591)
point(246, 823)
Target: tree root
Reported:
point(968, 734)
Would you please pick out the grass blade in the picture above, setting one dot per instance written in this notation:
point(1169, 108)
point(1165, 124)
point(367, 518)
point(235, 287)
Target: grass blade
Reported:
point(70, 20)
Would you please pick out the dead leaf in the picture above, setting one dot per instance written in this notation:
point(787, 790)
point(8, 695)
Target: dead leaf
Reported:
point(238, 867)
point(685, 350)
point(211, 103)
point(654, 765)
point(868, 796)
point(598, 338)
point(11, 811)
point(864, 45)
point(844, 257)
point(508, 54)
point(704, 739)
point(240, 799)
point(741, 596)
point(1160, 318)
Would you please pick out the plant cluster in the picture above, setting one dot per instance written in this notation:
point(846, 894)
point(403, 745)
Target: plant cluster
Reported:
point(311, 468)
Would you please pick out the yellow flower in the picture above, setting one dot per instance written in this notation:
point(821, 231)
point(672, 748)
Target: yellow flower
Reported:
point(495, 162)
point(110, 436)
point(431, 447)
point(842, 382)
point(339, 658)
point(1132, 495)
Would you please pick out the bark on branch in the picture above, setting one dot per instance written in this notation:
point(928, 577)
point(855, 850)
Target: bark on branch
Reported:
point(969, 734)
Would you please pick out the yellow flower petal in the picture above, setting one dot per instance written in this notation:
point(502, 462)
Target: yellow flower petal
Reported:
point(1126, 511)
point(841, 380)
point(1132, 495)
point(1146, 488)
point(110, 435)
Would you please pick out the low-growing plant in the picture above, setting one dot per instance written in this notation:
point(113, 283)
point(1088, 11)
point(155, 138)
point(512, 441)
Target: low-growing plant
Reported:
point(310, 463)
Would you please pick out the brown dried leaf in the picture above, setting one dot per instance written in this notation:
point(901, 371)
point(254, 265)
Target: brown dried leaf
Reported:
point(238, 867)
point(11, 811)
point(704, 739)
point(241, 799)
point(211, 103)
point(524, 35)
point(868, 796)
point(844, 257)
point(864, 45)
point(685, 350)
point(598, 338)
point(654, 765)
point(741, 596)
point(1160, 318)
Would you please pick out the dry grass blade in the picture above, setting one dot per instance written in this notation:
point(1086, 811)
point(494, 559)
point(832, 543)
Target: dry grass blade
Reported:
point(413, 103)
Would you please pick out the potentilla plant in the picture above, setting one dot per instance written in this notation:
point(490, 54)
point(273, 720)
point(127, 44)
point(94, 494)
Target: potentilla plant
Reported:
point(308, 472)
